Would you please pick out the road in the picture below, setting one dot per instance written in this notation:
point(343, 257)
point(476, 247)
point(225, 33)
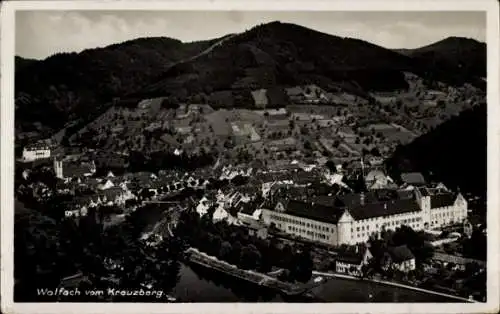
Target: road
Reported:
point(395, 284)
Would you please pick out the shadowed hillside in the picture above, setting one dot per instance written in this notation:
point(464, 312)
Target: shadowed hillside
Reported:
point(454, 152)
point(452, 60)
point(285, 54)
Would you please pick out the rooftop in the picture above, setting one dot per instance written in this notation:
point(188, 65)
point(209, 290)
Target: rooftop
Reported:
point(378, 205)
point(413, 178)
point(351, 256)
point(442, 200)
point(37, 146)
point(313, 211)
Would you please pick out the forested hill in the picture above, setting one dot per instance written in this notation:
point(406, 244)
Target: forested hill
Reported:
point(453, 153)
point(65, 86)
point(465, 58)
point(284, 54)
point(70, 86)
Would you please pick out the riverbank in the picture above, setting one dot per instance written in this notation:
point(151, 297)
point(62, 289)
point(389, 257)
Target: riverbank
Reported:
point(202, 284)
point(290, 289)
point(200, 258)
point(394, 284)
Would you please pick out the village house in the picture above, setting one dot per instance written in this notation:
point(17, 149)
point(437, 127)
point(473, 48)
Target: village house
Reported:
point(109, 197)
point(248, 213)
point(260, 98)
point(36, 151)
point(295, 93)
point(377, 179)
point(458, 261)
point(256, 229)
point(375, 161)
point(413, 179)
point(351, 261)
point(401, 258)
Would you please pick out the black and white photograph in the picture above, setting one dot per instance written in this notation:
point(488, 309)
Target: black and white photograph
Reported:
point(176, 156)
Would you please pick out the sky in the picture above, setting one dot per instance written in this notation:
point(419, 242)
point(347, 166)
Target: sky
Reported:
point(40, 34)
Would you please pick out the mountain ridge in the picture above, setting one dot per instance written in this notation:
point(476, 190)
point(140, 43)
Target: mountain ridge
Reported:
point(66, 86)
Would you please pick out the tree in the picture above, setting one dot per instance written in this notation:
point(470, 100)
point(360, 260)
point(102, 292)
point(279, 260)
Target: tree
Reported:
point(307, 145)
point(331, 166)
point(441, 104)
point(304, 265)
point(250, 257)
point(375, 152)
point(225, 251)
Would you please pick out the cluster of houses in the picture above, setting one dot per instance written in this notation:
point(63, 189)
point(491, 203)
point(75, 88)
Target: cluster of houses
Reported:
point(272, 200)
point(351, 261)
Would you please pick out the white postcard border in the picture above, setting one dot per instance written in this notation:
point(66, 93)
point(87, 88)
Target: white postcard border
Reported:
point(7, 156)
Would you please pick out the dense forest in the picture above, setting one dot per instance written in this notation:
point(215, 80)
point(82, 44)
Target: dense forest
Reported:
point(454, 153)
point(464, 57)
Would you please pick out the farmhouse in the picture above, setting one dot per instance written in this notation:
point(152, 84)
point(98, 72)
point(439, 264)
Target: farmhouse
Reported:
point(350, 262)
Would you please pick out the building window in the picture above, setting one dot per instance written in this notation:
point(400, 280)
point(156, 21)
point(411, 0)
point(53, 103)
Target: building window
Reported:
point(357, 229)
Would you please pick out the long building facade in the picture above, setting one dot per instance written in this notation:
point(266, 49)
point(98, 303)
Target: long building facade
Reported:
point(353, 218)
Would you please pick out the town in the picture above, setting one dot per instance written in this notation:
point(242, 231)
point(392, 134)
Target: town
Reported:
point(258, 158)
point(293, 197)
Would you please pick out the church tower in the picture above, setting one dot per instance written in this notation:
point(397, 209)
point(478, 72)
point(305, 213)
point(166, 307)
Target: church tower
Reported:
point(58, 168)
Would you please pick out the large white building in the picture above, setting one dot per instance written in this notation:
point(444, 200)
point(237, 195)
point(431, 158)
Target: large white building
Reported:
point(36, 151)
point(352, 218)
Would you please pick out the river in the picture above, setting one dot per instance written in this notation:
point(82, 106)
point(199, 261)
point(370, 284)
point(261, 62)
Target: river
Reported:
point(198, 284)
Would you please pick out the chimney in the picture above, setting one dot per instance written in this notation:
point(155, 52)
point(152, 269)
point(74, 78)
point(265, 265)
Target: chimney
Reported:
point(362, 198)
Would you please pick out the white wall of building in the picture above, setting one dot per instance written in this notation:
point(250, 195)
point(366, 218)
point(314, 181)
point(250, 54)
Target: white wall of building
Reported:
point(306, 228)
point(34, 154)
point(351, 231)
